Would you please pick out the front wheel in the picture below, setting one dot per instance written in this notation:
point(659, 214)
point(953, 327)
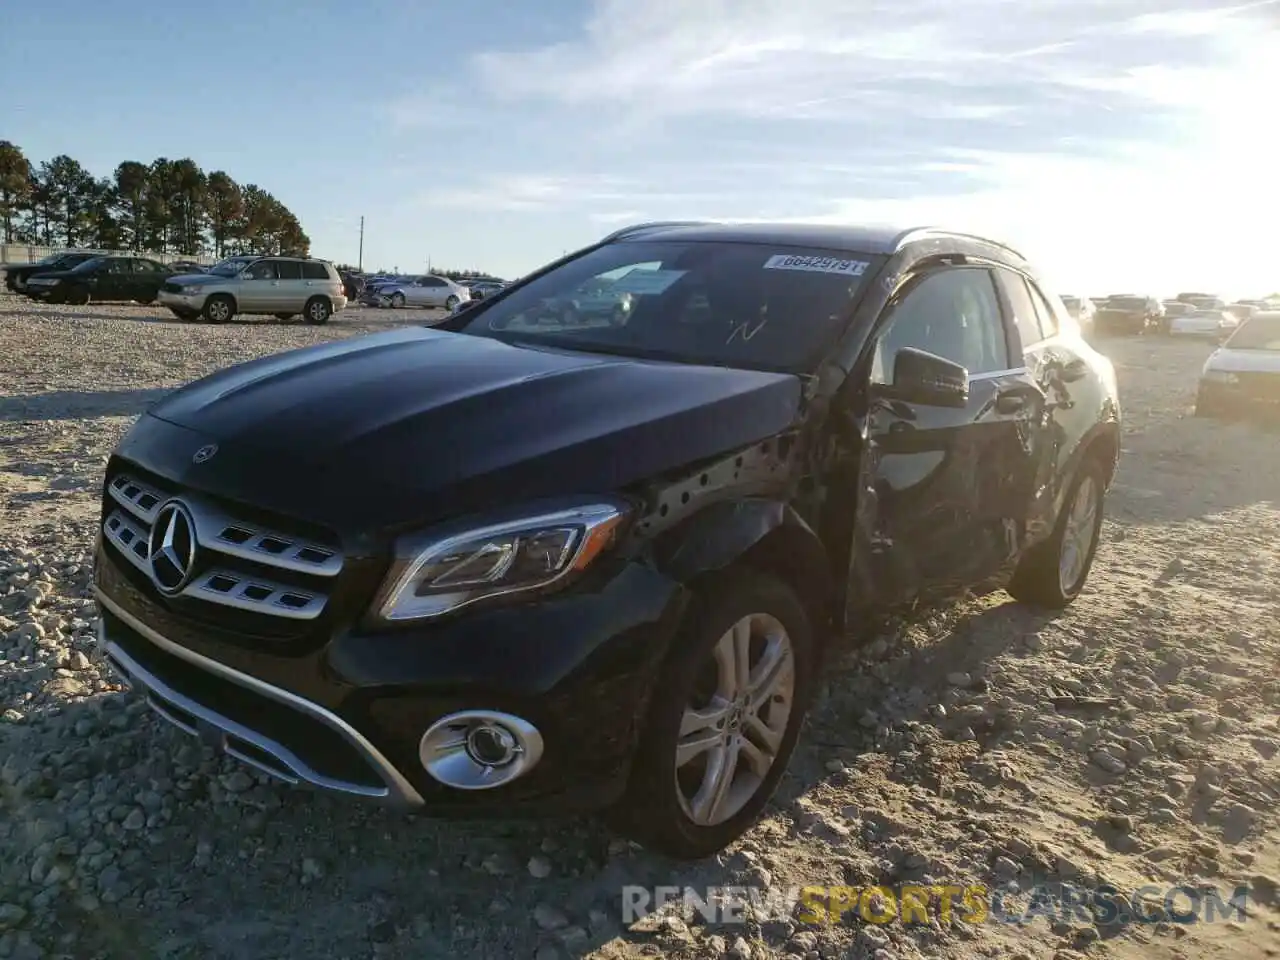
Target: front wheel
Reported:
point(397, 300)
point(318, 311)
point(451, 303)
point(219, 309)
point(725, 716)
point(1053, 573)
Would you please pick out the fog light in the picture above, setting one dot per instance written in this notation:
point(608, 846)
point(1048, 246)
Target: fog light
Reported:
point(479, 749)
point(490, 745)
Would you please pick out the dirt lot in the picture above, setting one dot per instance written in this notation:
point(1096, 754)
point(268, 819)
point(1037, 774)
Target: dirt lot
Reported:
point(1130, 740)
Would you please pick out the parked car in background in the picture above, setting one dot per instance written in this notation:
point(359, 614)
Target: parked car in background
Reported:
point(16, 275)
point(279, 286)
point(563, 568)
point(1242, 311)
point(353, 285)
point(1204, 323)
point(1127, 314)
point(1202, 301)
point(187, 266)
point(1244, 373)
point(1084, 311)
point(1172, 310)
point(101, 279)
point(428, 291)
point(485, 288)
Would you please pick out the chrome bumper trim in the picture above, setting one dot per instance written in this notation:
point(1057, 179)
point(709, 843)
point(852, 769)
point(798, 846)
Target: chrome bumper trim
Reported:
point(162, 698)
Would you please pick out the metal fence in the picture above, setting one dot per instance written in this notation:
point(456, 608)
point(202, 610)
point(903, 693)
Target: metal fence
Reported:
point(30, 253)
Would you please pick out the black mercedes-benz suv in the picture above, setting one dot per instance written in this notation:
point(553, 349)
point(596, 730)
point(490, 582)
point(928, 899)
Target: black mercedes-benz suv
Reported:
point(520, 563)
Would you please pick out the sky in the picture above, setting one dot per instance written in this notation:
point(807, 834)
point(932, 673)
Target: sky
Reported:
point(1120, 144)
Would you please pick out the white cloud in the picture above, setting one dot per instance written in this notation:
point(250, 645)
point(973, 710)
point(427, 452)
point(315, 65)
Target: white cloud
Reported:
point(1114, 138)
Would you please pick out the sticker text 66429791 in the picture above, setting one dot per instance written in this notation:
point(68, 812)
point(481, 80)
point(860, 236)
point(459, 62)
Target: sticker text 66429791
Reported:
point(785, 261)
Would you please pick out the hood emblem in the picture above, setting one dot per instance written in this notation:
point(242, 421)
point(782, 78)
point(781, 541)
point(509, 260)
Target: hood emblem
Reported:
point(172, 548)
point(205, 453)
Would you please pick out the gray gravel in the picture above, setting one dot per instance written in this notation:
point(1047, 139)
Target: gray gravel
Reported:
point(1133, 738)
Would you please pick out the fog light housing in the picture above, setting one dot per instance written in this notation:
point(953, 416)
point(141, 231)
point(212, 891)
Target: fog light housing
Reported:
point(479, 749)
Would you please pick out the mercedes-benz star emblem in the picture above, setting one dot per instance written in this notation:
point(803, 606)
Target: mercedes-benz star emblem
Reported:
point(205, 453)
point(172, 547)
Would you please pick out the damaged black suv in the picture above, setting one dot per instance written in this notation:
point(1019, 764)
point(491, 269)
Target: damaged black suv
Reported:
point(548, 560)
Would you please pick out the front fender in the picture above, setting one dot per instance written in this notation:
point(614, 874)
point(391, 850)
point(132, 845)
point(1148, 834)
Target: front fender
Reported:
point(760, 532)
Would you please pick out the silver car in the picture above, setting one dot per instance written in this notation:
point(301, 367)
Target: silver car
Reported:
point(425, 291)
point(283, 286)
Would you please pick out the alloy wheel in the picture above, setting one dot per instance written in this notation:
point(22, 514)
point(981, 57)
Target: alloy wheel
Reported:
point(730, 735)
point(1079, 534)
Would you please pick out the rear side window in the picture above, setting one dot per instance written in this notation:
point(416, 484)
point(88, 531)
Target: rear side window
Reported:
point(288, 269)
point(1025, 316)
point(311, 270)
point(1044, 312)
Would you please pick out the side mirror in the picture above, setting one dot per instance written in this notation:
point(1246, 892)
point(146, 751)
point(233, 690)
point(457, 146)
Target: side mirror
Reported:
point(926, 378)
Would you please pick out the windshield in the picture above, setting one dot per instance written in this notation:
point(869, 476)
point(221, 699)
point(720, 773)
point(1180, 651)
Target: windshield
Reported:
point(723, 304)
point(229, 268)
point(1259, 333)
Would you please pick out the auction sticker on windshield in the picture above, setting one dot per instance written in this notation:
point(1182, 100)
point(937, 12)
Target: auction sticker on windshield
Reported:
point(784, 261)
point(640, 281)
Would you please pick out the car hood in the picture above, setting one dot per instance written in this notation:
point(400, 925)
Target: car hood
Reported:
point(194, 279)
point(1244, 361)
point(417, 425)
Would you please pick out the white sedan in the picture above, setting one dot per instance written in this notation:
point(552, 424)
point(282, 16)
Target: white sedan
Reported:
point(424, 292)
point(1207, 324)
point(1244, 373)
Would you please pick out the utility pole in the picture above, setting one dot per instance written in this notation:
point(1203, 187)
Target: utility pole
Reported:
point(360, 263)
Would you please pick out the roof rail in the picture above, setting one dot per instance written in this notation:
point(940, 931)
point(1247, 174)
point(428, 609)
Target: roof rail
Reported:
point(638, 227)
point(916, 233)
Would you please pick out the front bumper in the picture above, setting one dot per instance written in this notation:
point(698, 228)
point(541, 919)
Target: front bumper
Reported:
point(182, 301)
point(1257, 393)
point(350, 717)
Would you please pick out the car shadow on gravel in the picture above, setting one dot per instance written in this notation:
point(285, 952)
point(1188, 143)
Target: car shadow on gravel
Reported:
point(78, 404)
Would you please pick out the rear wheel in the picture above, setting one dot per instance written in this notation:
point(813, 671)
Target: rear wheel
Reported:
point(725, 716)
point(219, 308)
point(78, 296)
point(147, 300)
point(1053, 573)
point(318, 311)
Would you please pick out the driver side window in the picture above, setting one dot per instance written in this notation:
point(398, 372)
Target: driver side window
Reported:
point(954, 314)
point(262, 270)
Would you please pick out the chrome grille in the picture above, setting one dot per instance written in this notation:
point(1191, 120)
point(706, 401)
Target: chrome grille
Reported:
point(228, 538)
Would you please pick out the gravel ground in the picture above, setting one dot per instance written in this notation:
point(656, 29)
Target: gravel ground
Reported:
point(1131, 739)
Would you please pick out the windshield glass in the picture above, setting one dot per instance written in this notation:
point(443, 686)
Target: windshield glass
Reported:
point(228, 268)
point(1259, 333)
point(724, 304)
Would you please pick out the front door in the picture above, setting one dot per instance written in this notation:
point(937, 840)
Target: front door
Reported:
point(259, 289)
point(943, 492)
point(147, 278)
point(114, 280)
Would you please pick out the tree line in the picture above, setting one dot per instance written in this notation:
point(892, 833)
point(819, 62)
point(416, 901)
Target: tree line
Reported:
point(166, 206)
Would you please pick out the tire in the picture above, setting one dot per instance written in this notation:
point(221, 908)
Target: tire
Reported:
point(77, 296)
point(147, 301)
point(397, 300)
point(218, 309)
point(285, 316)
point(1040, 579)
point(451, 302)
point(656, 810)
point(318, 311)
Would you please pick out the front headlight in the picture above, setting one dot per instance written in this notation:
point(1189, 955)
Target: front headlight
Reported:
point(1220, 376)
point(441, 574)
point(190, 291)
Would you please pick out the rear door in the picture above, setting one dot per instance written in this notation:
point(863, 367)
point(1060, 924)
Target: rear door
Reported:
point(291, 293)
point(148, 275)
point(944, 492)
point(114, 280)
point(317, 282)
